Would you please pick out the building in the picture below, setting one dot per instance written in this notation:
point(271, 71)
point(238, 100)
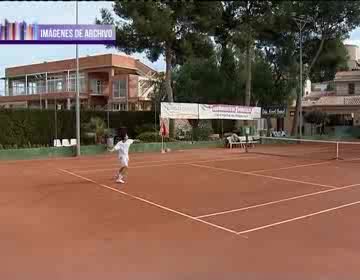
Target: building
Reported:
point(339, 98)
point(108, 81)
point(353, 57)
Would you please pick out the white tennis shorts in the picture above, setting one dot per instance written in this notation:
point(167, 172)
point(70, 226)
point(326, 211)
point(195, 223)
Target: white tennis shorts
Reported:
point(124, 161)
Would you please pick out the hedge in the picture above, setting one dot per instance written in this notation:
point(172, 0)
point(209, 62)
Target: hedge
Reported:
point(29, 126)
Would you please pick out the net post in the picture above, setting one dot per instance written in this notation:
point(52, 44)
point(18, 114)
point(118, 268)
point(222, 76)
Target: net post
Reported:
point(337, 150)
point(246, 144)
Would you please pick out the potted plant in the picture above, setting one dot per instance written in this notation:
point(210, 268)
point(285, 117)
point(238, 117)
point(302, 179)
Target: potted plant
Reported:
point(96, 128)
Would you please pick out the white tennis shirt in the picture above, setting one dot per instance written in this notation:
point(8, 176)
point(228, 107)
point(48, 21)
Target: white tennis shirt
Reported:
point(123, 150)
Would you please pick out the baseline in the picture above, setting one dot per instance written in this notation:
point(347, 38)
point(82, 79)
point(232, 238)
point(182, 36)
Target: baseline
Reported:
point(262, 175)
point(275, 202)
point(151, 203)
point(299, 218)
point(172, 163)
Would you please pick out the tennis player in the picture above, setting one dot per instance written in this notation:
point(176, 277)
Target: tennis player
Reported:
point(122, 147)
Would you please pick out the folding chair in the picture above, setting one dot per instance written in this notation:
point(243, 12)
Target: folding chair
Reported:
point(65, 143)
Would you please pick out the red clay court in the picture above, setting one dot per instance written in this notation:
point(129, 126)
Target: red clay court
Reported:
point(195, 214)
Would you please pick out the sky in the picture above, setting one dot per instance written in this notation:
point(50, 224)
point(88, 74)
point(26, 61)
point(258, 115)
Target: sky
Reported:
point(64, 13)
point(53, 13)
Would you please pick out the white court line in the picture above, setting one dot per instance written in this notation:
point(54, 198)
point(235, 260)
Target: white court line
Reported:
point(299, 218)
point(293, 166)
point(134, 162)
point(151, 203)
point(264, 176)
point(352, 159)
point(168, 164)
point(275, 202)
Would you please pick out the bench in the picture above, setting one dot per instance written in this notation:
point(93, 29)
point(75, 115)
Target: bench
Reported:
point(240, 141)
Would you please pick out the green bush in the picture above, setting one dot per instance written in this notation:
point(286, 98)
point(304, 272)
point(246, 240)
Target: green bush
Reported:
point(97, 128)
point(149, 137)
point(147, 127)
point(203, 131)
point(28, 127)
point(184, 135)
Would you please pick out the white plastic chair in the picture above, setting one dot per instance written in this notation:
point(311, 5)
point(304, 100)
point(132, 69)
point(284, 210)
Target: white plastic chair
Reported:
point(65, 143)
point(251, 141)
point(73, 142)
point(57, 143)
point(240, 141)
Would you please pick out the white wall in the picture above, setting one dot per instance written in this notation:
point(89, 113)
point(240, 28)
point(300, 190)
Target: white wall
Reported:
point(307, 87)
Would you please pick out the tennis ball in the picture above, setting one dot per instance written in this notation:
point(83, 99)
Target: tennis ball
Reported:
point(168, 150)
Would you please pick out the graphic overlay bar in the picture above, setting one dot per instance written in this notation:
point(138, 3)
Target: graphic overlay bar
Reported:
point(23, 33)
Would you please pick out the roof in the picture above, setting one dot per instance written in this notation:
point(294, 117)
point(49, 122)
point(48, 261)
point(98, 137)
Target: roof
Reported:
point(346, 76)
point(351, 45)
point(333, 101)
point(87, 62)
point(315, 95)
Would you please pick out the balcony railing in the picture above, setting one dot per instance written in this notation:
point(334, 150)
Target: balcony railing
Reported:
point(38, 90)
point(55, 88)
point(99, 90)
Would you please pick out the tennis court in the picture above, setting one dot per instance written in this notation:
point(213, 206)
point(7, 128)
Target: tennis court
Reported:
point(195, 214)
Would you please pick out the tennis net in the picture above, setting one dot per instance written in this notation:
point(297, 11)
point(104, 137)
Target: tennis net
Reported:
point(309, 149)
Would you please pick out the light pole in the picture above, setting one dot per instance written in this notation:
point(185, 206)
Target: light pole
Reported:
point(300, 22)
point(108, 114)
point(55, 115)
point(77, 91)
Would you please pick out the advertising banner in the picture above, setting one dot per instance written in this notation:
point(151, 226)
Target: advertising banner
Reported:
point(273, 112)
point(172, 110)
point(229, 112)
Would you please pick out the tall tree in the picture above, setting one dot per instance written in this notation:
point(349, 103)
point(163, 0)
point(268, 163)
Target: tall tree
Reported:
point(272, 85)
point(208, 81)
point(252, 17)
point(171, 29)
point(225, 26)
point(333, 58)
point(330, 20)
point(238, 25)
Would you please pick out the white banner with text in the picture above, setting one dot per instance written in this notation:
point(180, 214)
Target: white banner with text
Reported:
point(229, 112)
point(173, 110)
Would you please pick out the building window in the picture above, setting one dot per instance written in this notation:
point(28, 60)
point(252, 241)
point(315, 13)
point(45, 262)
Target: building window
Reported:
point(18, 88)
point(119, 107)
point(35, 86)
point(351, 88)
point(56, 83)
point(96, 86)
point(59, 86)
point(72, 82)
point(119, 88)
point(32, 88)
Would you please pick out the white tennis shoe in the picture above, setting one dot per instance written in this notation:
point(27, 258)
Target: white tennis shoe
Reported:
point(120, 180)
